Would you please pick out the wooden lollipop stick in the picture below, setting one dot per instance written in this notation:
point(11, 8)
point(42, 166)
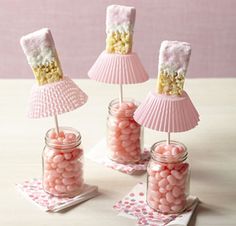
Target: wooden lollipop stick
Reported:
point(121, 94)
point(168, 138)
point(56, 123)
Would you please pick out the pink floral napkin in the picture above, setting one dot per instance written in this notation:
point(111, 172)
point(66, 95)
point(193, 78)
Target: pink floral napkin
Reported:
point(32, 190)
point(99, 154)
point(133, 205)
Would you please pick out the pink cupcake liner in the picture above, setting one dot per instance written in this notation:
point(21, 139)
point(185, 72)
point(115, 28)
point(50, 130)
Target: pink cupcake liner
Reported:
point(118, 69)
point(55, 98)
point(167, 113)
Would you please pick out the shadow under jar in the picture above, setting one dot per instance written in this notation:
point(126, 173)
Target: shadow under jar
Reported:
point(168, 177)
point(63, 163)
point(124, 135)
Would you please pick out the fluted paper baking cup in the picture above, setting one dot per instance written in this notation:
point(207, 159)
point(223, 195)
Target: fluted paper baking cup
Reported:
point(118, 69)
point(55, 98)
point(167, 113)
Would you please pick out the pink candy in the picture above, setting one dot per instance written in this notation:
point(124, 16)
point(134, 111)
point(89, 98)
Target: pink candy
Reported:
point(123, 134)
point(63, 169)
point(167, 182)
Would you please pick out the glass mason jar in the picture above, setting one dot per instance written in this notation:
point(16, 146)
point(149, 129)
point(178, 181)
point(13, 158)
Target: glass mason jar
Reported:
point(124, 135)
point(168, 177)
point(63, 163)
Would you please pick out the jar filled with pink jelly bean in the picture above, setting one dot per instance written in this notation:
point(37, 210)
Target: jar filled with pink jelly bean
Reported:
point(168, 177)
point(124, 135)
point(63, 163)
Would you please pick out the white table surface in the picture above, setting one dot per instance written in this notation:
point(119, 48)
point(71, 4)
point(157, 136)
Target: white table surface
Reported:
point(211, 145)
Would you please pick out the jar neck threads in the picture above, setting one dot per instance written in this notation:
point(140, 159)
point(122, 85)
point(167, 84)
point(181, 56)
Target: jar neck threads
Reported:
point(178, 152)
point(115, 106)
point(66, 139)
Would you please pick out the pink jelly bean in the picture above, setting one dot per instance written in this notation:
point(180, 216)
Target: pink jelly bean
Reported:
point(177, 201)
point(167, 153)
point(157, 176)
point(60, 140)
point(58, 158)
point(164, 208)
point(184, 168)
point(164, 201)
point(53, 165)
point(47, 166)
point(175, 151)
point(68, 174)
point(159, 149)
point(52, 173)
point(68, 181)
point(123, 106)
point(129, 113)
point(171, 179)
point(63, 164)
point(134, 137)
point(170, 166)
point(69, 168)
point(60, 170)
point(169, 197)
point(136, 131)
point(177, 174)
point(176, 192)
point(70, 136)
point(169, 187)
point(130, 148)
point(177, 208)
point(126, 143)
point(77, 153)
point(61, 134)
point(50, 154)
point(60, 188)
point(126, 131)
point(133, 153)
point(67, 156)
point(153, 186)
point(123, 124)
point(124, 137)
point(164, 173)
point(162, 183)
point(151, 172)
point(181, 167)
point(131, 105)
point(133, 125)
point(58, 181)
point(155, 195)
point(51, 183)
point(52, 190)
point(153, 180)
point(162, 190)
point(181, 149)
point(112, 141)
point(168, 147)
point(52, 135)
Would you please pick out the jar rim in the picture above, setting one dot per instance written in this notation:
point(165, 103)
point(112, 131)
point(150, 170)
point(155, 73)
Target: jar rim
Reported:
point(112, 110)
point(67, 145)
point(166, 158)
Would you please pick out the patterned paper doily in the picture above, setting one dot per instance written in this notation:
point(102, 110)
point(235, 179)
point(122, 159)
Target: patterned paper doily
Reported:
point(32, 190)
